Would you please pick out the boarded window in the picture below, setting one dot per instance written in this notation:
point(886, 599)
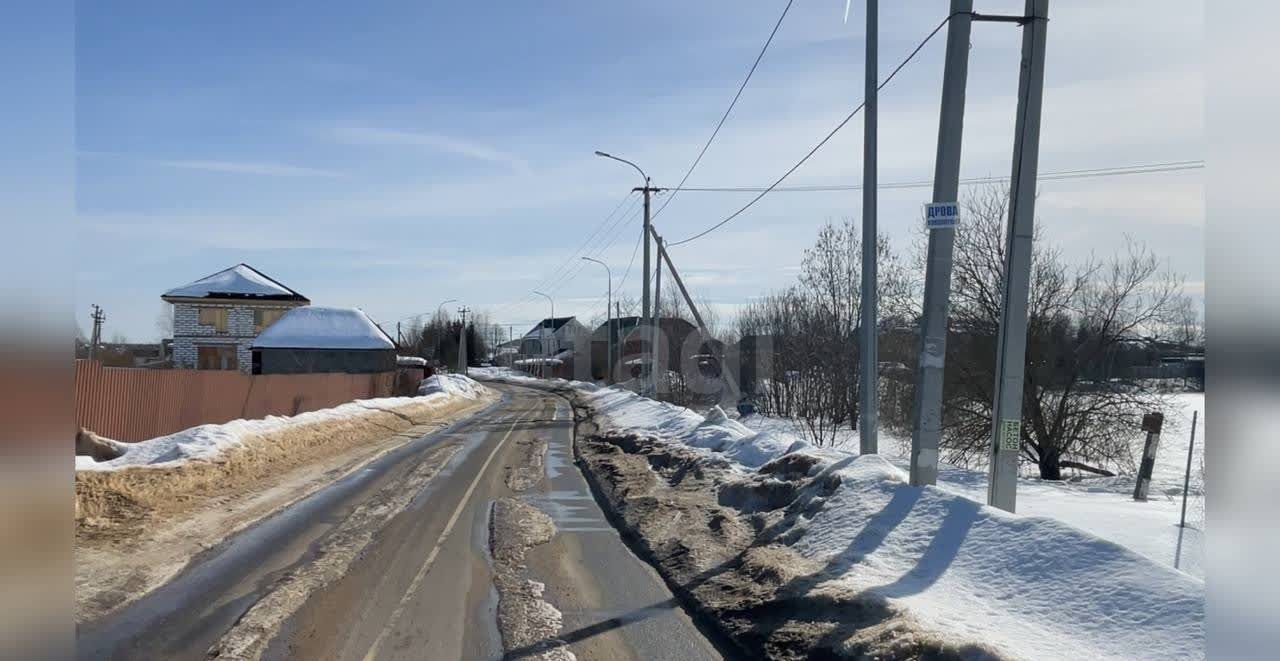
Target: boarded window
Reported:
point(216, 317)
point(265, 317)
point(222, 357)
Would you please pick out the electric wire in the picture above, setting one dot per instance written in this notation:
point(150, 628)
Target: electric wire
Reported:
point(1173, 166)
point(728, 110)
point(820, 144)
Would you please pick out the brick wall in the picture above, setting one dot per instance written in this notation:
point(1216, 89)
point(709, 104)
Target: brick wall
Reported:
point(189, 333)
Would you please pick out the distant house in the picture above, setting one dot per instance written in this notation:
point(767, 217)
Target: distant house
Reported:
point(130, 354)
point(634, 346)
point(559, 334)
point(216, 318)
point(506, 353)
point(316, 339)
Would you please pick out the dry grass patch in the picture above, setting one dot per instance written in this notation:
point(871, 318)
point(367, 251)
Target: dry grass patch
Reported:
point(116, 504)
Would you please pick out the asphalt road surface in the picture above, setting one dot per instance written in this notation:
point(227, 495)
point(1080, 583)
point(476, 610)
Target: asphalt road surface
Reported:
point(423, 589)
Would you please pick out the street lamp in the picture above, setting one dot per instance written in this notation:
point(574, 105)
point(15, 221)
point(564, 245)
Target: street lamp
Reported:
point(438, 333)
point(542, 331)
point(623, 160)
point(608, 315)
point(644, 236)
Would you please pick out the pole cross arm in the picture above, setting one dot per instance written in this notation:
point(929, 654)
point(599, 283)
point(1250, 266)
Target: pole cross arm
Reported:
point(1005, 18)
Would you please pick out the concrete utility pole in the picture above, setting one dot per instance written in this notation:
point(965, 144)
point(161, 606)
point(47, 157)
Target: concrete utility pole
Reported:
point(1006, 417)
point(725, 373)
point(937, 274)
point(462, 342)
point(870, 359)
point(927, 429)
point(608, 325)
point(95, 336)
point(644, 295)
point(617, 312)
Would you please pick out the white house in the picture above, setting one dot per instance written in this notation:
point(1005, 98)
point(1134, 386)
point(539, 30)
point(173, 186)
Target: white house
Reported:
point(559, 333)
point(216, 318)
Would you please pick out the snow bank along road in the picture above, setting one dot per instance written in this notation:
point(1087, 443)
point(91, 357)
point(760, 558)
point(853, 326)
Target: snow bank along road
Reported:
point(801, 552)
point(480, 541)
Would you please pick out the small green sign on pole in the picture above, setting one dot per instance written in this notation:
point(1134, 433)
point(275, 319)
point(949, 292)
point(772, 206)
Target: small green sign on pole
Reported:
point(1010, 435)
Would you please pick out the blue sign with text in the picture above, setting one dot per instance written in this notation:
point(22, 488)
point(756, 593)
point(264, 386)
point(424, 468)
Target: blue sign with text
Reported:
point(941, 215)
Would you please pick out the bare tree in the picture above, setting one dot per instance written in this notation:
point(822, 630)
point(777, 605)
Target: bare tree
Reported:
point(164, 320)
point(1075, 416)
point(812, 328)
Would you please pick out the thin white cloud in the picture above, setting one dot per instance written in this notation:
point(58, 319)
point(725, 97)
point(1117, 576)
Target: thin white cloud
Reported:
point(241, 167)
point(217, 165)
point(375, 136)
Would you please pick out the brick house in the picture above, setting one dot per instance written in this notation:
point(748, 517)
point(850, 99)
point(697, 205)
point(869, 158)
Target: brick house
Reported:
point(216, 318)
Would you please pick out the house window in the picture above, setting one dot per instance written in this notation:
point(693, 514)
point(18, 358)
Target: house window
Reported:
point(219, 357)
point(216, 317)
point(265, 317)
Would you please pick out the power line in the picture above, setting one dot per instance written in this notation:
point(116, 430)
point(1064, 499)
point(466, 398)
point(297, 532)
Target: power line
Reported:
point(1174, 166)
point(557, 273)
point(606, 241)
point(728, 110)
point(815, 149)
point(630, 263)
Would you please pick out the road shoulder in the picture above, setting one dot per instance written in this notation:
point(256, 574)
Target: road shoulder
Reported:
point(144, 546)
point(719, 538)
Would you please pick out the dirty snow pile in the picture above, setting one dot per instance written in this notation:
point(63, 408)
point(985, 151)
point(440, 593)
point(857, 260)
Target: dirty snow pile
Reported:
point(1030, 586)
point(205, 442)
point(452, 384)
point(509, 375)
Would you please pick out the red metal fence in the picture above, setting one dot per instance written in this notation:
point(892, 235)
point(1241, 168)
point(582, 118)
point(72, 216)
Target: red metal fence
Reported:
point(130, 404)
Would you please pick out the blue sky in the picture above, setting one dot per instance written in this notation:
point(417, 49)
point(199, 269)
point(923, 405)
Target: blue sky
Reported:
point(389, 155)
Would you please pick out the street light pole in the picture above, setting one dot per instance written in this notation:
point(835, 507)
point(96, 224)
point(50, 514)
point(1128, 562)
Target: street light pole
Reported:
point(542, 332)
point(608, 326)
point(647, 190)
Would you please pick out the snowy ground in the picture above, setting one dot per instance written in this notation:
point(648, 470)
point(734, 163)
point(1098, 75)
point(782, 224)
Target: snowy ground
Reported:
point(1080, 572)
point(1100, 505)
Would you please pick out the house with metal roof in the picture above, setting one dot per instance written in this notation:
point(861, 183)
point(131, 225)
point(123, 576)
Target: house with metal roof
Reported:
point(553, 335)
point(315, 339)
point(216, 318)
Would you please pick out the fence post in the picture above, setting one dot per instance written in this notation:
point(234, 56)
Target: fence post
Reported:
point(1186, 479)
point(1151, 423)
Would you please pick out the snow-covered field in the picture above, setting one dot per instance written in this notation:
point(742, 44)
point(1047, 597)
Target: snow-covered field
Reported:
point(205, 442)
point(1103, 506)
point(1080, 572)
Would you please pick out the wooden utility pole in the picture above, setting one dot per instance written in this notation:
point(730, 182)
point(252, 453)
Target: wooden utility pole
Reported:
point(95, 338)
point(462, 342)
